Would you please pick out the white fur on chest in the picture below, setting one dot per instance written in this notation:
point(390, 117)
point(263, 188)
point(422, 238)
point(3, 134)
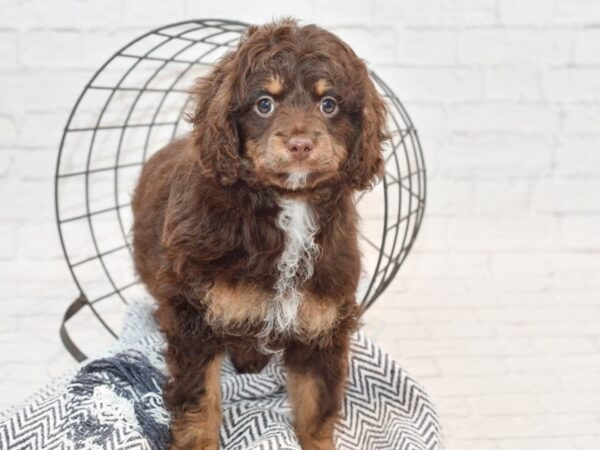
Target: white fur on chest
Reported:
point(295, 265)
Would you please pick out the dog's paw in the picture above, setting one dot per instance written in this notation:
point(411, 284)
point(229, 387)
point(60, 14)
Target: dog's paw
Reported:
point(203, 446)
point(316, 443)
point(194, 439)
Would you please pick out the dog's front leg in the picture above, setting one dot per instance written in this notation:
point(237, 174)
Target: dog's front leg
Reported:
point(193, 394)
point(316, 386)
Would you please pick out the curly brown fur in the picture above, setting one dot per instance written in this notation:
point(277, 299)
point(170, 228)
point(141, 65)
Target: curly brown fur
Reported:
point(245, 231)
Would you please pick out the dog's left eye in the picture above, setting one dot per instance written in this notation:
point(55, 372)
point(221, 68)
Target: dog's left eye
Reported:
point(265, 106)
point(328, 106)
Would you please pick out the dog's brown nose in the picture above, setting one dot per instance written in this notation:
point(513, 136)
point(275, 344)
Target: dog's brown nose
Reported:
point(300, 146)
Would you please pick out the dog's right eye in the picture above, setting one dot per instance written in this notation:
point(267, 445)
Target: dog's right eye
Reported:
point(265, 106)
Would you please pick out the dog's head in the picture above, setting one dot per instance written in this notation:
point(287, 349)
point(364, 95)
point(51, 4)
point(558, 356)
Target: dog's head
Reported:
point(292, 107)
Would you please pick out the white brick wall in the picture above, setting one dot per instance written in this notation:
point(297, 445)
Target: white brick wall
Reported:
point(496, 310)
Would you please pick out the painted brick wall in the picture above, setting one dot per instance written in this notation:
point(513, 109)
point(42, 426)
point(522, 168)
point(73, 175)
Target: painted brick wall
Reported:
point(497, 309)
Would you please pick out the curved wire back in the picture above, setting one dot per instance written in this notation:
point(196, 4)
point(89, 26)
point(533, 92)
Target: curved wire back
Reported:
point(134, 105)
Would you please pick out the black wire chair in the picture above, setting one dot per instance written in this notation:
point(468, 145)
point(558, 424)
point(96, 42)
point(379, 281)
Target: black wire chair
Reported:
point(136, 103)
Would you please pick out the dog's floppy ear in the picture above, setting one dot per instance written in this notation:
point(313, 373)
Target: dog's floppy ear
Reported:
point(365, 164)
point(215, 133)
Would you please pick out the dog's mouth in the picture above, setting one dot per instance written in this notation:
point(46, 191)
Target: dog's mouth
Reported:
point(280, 172)
point(303, 180)
point(296, 179)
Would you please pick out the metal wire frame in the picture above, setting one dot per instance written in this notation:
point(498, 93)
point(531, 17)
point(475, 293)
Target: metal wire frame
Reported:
point(404, 177)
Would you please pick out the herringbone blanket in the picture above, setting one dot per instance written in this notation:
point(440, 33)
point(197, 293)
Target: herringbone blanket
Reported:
point(115, 402)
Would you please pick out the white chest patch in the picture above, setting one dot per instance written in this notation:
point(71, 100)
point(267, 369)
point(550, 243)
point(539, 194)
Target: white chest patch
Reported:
point(295, 265)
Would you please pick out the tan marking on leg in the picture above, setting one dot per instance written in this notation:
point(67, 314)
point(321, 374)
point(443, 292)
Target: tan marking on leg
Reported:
point(303, 391)
point(274, 85)
point(234, 307)
point(317, 317)
point(198, 428)
point(321, 86)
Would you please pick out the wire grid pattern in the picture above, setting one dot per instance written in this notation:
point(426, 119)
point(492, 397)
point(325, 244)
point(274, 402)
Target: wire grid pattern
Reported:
point(134, 105)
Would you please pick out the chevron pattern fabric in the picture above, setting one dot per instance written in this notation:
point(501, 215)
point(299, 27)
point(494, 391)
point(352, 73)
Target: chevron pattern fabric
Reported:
point(115, 402)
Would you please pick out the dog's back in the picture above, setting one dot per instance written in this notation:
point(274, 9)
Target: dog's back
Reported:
point(149, 204)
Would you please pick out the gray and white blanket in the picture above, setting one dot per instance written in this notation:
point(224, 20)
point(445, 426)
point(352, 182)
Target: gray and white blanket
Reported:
point(115, 402)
